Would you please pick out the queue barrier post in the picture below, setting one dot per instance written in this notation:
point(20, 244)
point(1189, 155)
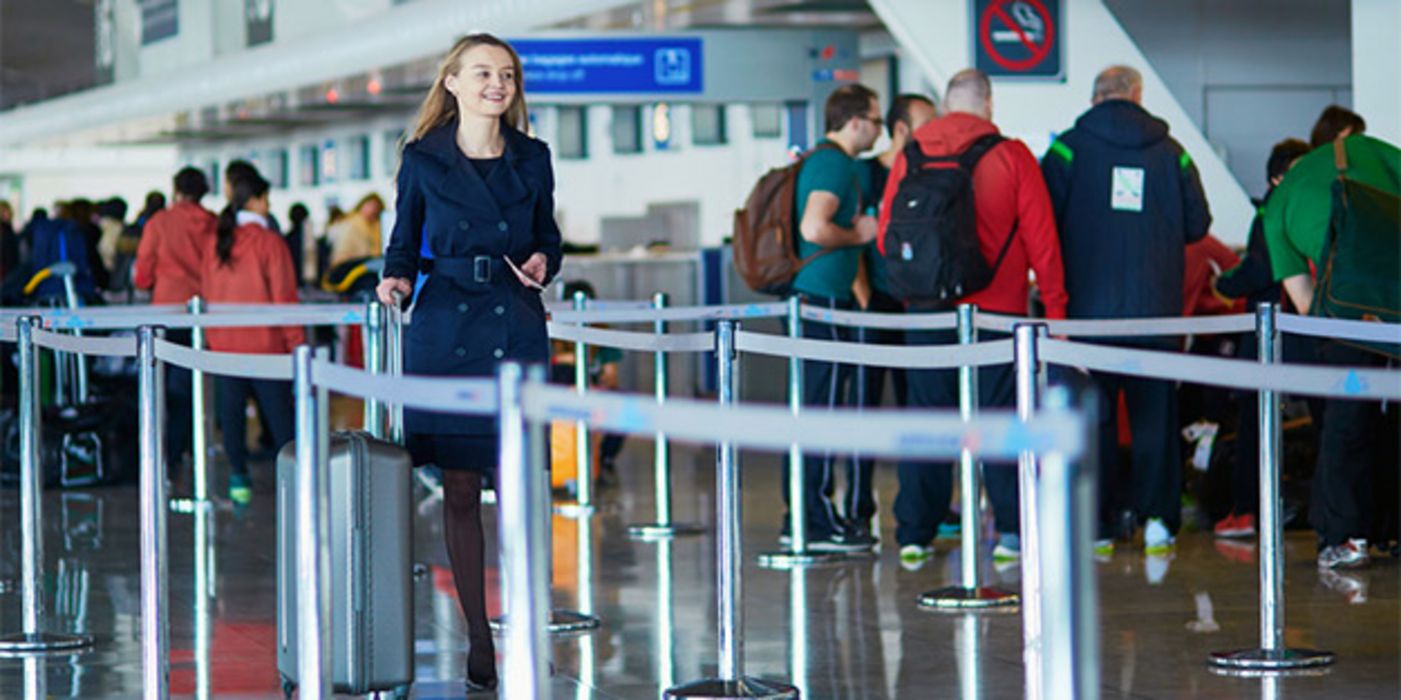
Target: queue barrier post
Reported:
point(1272, 655)
point(731, 681)
point(664, 527)
point(155, 557)
point(70, 292)
point(199, 420)
point(522, 497)
point(313, 669)
point(33, 639)
point(1068, 606)
point(583, 476)
point(1027, 369)
point(797, 552)
point(970, 594)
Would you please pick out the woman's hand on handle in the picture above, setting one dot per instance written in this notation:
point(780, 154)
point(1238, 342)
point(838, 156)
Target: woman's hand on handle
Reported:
point(389, 286)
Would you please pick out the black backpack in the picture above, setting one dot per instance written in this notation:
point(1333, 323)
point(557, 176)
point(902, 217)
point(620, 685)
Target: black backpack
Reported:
point(931, 242)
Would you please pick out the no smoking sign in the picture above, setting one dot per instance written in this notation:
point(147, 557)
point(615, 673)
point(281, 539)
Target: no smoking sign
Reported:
point(1018, 38)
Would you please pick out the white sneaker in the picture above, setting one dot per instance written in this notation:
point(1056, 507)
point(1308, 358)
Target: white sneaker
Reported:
point(913, 556)
point(1156, 537)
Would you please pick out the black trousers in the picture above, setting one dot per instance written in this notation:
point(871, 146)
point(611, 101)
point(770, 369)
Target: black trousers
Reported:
point(1156, 482)
point(179, 389)
point(274, 399)
point(868, 390)
point(926, 487)
point(825, 385)
point(1356, 449)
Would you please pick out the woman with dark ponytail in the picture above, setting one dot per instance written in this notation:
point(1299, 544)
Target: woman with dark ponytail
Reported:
point(250, 265)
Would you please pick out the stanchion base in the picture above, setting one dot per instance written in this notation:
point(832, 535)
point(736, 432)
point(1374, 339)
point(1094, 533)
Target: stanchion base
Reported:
point(960, 598)
point(743, 687)
point(574, 510)
point(561, 622)
point(658, 531)
point(1251, 661)
point(43, 643)
point(785, 559)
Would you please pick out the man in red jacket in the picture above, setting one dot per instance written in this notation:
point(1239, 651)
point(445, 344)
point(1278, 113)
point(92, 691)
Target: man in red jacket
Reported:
point(1009, 196)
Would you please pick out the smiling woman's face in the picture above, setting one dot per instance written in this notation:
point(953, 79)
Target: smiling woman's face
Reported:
point(485, 82)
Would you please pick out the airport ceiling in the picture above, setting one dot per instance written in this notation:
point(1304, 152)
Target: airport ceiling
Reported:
point(47, 50)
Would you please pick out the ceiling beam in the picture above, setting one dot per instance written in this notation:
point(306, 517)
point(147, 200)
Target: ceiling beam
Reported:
point(399, 35)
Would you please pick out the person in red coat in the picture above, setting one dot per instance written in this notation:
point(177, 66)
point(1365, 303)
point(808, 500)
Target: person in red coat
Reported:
point(250, 264)
point(169, 262)
point(1013, 212)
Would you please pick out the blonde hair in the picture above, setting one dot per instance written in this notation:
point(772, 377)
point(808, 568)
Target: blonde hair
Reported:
point(440, 107)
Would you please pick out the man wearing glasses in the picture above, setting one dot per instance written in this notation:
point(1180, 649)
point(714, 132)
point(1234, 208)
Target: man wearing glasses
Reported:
point(833, 208)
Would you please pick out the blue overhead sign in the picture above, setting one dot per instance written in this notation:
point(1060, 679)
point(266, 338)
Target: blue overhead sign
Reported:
point(643, 66)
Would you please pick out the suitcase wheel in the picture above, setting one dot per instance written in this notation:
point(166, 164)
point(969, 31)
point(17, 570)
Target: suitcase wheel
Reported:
point(288, 688)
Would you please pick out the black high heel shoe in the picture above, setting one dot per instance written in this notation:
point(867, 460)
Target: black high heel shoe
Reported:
point(481, 668)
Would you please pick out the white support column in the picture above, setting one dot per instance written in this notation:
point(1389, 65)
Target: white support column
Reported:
point(1376, 70)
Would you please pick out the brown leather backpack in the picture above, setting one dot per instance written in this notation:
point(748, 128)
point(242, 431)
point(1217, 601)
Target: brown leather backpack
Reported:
point(766, 233)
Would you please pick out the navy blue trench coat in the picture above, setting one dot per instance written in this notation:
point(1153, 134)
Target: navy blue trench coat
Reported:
point(472, 312)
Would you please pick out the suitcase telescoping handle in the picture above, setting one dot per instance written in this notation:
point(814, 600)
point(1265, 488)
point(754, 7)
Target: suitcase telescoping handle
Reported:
point(395, 365)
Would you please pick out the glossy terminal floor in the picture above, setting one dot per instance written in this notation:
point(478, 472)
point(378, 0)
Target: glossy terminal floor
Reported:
point(849, 631)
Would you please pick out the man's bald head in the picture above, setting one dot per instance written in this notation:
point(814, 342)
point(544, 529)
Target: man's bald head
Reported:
point(1118, 83)
point(969, 91)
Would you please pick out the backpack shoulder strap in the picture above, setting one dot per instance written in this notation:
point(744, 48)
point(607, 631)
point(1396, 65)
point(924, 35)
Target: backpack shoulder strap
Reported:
point(915, 159)
point(968, 160)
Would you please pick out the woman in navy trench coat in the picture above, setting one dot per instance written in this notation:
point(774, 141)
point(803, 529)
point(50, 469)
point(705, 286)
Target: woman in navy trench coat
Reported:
point(477, 195)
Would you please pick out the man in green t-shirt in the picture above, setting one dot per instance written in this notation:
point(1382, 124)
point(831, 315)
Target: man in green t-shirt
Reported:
point(832, 193)
point(1357, 439)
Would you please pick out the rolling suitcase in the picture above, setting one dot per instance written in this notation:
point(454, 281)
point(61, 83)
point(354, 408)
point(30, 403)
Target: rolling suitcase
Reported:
point(371, 611)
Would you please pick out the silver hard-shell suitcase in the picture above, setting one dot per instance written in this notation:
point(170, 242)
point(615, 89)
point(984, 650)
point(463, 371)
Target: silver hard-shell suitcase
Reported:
point(371, 625)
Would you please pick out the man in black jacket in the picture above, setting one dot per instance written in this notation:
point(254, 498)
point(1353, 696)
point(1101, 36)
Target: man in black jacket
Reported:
point(1254, 280)
point(1128, 200)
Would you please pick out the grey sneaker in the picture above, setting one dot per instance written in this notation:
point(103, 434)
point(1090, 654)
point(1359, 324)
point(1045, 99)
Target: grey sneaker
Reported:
point(1351, 554)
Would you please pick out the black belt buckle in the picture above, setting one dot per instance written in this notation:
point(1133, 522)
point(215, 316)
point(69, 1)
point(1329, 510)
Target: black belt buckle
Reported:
point(481, 269)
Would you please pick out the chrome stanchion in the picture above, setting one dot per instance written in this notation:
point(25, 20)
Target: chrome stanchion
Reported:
point(797, 553)
point(663, 527)
point(32, 640)
point(731, 683)
point(560, 620)
point(520, 492)
point(970, 593)
point(155, 598)
point(583, 477)
point(1027, 368)
point(199, 420)
point(199, 404)
point(1271, 655)
point(1070, 623)
point(70, 291)
point(374, 332)
point(313, 682)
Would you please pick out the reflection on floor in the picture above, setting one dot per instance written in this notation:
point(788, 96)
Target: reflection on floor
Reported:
point(848, 631)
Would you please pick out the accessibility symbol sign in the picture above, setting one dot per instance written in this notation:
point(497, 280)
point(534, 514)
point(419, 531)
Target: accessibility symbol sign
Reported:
point(1018, 38)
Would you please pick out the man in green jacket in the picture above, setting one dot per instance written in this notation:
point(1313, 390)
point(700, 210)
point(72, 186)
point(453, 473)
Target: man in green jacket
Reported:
point(1356, 435)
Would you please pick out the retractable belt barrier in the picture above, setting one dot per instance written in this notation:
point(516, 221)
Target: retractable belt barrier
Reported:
point(1307, 380)
point(85, 345)
point(226, 364)
point(997, 352)
point(633, 340)
point(1055, 432)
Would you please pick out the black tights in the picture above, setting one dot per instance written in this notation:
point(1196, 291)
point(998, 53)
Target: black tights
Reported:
point(462, 526)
